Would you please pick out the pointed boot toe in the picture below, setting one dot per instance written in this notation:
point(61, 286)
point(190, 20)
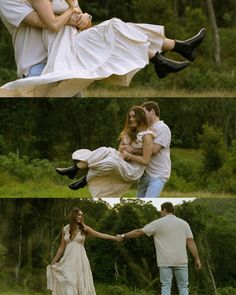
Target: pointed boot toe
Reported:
point(164, 66)
point(70, 172)
point(82, 182)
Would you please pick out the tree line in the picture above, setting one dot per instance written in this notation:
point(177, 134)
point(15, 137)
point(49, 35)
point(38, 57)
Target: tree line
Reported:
point(37, 134)
point(31, 230)
point(53, 128)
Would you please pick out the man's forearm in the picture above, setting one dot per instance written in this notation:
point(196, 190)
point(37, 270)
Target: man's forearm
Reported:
point(34, 20)
point(193, 248)
point(133, 234)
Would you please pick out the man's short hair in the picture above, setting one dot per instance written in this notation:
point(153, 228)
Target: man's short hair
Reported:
point(152, 105)
point(168, 206)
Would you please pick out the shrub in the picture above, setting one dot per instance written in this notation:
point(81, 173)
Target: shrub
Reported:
point(226, 291)
point(23, 168)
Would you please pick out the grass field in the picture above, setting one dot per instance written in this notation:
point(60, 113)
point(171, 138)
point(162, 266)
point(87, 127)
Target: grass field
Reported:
point(95, 90)
point(12, 187)
point(46, 188)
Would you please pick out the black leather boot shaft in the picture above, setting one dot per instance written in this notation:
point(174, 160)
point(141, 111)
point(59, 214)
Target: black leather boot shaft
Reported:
point(164, 66)
point(187, 48)
point(82, 182)
point(69, 171)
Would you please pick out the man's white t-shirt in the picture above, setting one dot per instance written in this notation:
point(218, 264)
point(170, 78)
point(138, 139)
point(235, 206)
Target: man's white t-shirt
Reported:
point(27, 40)
point(170, 235)
point(160, 163)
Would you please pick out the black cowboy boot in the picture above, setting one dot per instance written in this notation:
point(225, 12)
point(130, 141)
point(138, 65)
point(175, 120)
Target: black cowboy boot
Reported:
point(69, 171)
point(82, 182)
point(187, 48)
point(164, 66)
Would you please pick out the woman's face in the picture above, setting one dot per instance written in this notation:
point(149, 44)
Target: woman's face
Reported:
point(132, 119)
point(79, 217)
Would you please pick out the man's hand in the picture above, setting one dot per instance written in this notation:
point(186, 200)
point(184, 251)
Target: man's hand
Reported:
point(198, 264)
point(119, 238)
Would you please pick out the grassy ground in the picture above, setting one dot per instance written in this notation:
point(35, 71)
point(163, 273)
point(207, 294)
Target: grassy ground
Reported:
point(48, 189)
point(134, 91)
point(23, 293)
point(11, 187)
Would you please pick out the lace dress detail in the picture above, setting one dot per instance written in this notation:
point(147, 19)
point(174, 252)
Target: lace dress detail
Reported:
point(59, 6)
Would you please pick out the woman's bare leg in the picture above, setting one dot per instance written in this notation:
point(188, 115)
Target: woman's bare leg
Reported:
point(168, 44)
point(82, 165)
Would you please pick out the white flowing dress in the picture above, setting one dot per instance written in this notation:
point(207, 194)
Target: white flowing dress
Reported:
point(109, 175)
point(112, 50)
point(72, 274)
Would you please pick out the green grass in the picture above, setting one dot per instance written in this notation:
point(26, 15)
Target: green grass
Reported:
point(97, 90)
point(56, 187)
point(22, 293)
point(48, 189)
point(42, 188)
point(189, 154)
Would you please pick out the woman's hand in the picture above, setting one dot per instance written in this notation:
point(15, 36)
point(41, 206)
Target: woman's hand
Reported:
point(74, 19)
point(84, 21)
point(125, 155)
point(77, 10)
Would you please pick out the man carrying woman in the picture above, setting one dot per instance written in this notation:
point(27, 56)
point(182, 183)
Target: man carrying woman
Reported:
point(122, 49)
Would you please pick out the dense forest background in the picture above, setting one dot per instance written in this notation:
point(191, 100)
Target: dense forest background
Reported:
point(38, 134)
point(30, 231)
point(214, 69)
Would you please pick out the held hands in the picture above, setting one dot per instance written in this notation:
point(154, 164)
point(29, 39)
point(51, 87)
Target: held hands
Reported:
point(119, 238)
point(74, 19)
point(84, 21)
point(81, 21)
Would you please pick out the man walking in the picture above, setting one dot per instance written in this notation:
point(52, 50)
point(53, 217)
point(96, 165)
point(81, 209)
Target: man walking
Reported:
point(158, 170)
point(171, 236)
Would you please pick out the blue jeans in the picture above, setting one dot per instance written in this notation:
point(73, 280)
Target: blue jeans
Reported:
point(36, 70)
point(149, 187)
point(181, 275)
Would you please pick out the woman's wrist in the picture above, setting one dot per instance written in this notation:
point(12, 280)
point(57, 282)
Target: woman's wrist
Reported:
point(129, 157)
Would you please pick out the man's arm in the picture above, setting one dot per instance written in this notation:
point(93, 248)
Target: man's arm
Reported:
point(156, 148)
point(193, 250)
point(136, 233)
point(34, 20)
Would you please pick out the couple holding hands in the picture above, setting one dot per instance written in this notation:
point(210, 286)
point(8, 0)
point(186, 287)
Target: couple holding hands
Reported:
point(70, 272)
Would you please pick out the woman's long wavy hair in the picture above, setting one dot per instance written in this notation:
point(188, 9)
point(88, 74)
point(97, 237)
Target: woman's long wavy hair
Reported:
point(74, 225)
point(141, 120)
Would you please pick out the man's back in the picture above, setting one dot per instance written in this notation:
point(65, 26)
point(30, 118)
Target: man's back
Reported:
point(170, 235)
point(27, 40)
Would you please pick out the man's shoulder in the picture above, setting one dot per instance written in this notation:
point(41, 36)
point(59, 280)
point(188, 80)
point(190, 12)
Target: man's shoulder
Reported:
point(181, 220)
point(160, 125)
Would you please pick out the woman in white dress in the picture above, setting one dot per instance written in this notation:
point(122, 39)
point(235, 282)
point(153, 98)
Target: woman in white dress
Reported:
point(112, 172)
point(70, 272)
point(112, 50)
